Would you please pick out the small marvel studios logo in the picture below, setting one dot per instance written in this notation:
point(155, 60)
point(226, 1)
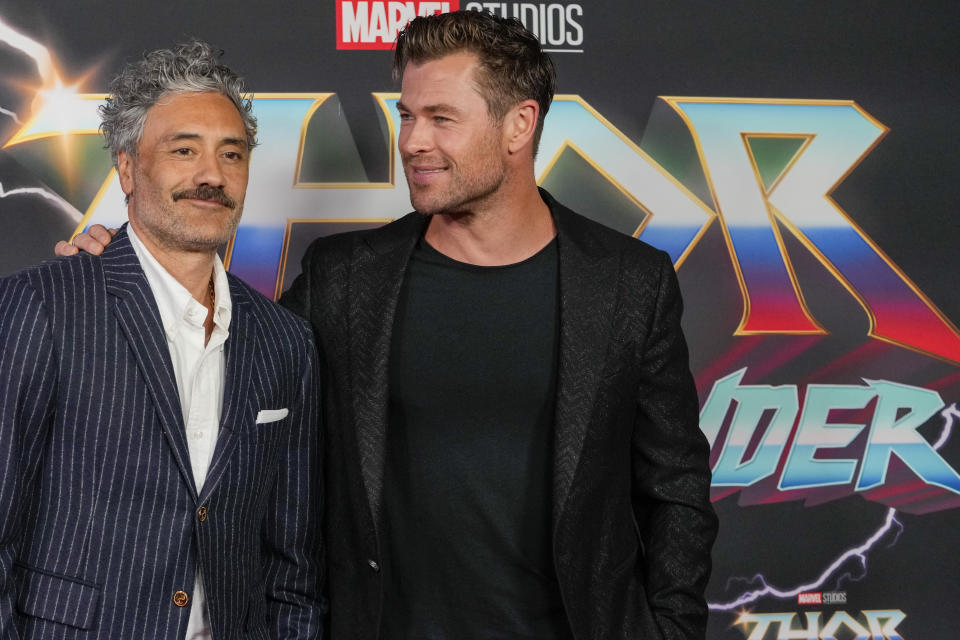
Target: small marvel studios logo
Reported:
point(374, 24)
point(824, 597)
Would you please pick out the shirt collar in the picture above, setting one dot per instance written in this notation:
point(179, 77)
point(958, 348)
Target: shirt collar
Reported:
point(175, 303)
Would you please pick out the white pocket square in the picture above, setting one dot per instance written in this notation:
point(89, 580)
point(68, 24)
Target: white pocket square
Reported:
point(271, 415)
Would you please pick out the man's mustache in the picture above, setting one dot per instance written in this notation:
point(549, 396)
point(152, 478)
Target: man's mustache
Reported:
point(206, 192)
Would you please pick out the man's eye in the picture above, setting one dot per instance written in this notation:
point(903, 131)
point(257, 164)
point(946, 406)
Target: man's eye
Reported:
point(233, 155)
point(183, 151)
point(441, 119)
point(405, 117)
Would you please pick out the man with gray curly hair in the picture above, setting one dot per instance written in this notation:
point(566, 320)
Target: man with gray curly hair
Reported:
point(191, 68)
point(159, 433)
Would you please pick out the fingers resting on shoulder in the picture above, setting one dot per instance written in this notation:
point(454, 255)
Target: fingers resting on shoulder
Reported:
point(93, 241)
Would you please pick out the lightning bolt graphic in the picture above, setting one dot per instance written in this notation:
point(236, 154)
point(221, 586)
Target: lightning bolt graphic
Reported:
point(35, 51)
point(10, 114)
point(63, 204)
point(860, 553)
point(52, 97)
point(950, 415)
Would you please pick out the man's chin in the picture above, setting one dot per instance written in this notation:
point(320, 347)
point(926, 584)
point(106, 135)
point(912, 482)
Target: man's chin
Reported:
point(200, 245)
point(211, 235)
point(452, 202)
point(422, 207)
point(203, 242)
point(430, 205)
point(451, 210)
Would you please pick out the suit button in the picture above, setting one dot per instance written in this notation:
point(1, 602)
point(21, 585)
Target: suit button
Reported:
point(180, 598)
point(373, 565)
point(202, 514)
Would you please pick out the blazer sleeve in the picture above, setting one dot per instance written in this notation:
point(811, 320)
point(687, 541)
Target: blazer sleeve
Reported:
point(27, 391)
point(294, 575)
point(297, 297)
point(671, 474)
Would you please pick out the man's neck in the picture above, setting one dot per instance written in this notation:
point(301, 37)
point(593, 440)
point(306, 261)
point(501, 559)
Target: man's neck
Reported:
point(192, 269)
point(511, 230)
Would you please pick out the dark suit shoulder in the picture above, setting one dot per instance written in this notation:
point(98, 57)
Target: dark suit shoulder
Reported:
point(598, 239)
point(70, 273)
point(336, 248)
point(63, 267)
point(321, 287)
point(276, 317)
point(18, 290)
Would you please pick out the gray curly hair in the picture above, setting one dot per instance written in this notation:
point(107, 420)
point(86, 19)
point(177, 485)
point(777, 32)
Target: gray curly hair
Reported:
point(192, 67)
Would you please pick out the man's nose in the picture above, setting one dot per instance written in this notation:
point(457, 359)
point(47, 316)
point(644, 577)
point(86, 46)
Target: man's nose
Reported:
point(415, 137)
point(209, 171)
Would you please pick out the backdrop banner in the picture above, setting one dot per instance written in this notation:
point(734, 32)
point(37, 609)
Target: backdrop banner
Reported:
point(790, 157)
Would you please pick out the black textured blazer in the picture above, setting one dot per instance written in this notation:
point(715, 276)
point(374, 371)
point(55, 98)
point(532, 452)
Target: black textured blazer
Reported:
point(632, 520)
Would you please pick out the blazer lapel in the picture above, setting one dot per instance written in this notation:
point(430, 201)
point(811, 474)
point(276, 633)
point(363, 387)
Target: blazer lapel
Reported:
point(240, 349)
point(379, 263)
point(139, 318)
point(588, 275)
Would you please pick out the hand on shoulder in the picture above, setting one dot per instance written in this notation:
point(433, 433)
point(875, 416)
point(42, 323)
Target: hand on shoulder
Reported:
point(94, 241)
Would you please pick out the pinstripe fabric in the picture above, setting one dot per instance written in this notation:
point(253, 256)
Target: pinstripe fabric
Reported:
point(98, 508)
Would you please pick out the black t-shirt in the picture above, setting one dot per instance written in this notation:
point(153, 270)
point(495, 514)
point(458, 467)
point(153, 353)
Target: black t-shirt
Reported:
point(467, 484)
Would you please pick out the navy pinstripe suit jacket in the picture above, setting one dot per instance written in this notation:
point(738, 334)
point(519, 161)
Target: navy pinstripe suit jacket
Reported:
point(99, 522)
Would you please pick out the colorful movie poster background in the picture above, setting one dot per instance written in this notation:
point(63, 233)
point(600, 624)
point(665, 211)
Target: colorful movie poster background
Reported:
point(795, 160)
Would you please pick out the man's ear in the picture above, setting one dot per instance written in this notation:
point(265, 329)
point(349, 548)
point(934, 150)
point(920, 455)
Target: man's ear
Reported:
point(125, 171)
point(520, 124)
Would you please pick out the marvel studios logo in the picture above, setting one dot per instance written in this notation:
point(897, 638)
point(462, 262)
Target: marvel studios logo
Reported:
point(374, 24)
point(822, 597)
point(556, 25)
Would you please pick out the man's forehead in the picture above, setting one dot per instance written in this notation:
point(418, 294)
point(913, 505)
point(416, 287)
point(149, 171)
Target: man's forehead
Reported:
point(182, 98)
point(193, 113)
point(453, 73)
point(458, 64)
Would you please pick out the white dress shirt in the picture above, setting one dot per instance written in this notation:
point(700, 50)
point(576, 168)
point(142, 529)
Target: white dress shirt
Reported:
point(200, 371)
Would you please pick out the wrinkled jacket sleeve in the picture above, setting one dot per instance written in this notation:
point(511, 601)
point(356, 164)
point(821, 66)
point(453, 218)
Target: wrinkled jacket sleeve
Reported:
point(671, 475)
point(27, 391)
point(293, 536)
point(297, 297)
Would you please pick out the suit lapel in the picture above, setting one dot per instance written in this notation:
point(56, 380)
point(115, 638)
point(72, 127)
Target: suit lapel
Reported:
point(240, 349)
point(379, 263)
point(138, 316)
point(587, 297)
point(588, 276)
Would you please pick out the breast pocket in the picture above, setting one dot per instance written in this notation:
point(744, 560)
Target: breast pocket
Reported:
point(270, 424)
point(266, 416)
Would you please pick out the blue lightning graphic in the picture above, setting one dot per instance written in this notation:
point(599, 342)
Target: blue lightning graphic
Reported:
point(950, 415)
